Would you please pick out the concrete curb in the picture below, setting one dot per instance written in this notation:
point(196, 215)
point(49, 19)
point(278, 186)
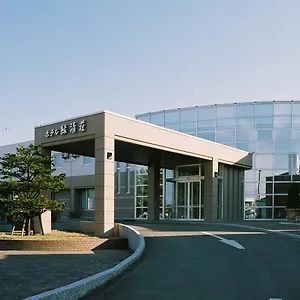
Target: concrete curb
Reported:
point(84, 286)
point(272, 231)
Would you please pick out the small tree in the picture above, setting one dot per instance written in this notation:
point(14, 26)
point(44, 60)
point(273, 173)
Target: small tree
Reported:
point(28, 175)
point(293, 196)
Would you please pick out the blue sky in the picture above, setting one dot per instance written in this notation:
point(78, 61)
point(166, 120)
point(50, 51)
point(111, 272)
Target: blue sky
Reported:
point(61, 59)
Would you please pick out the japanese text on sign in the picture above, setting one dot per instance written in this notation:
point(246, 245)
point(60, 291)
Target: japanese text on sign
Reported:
point(64, 129)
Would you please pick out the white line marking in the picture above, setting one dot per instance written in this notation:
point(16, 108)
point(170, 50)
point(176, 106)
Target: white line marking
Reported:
point(275, 299)
point(228, 242)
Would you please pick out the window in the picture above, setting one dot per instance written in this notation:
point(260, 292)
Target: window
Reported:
point(246, 110)
point(245, 135)
point(245, 146)
point(264, 134)
point(282, 147)
point(206, 112)
point(173, 126)
point(157, 119)
point(57, 159)
point(263, 161)
point(207, 135)
point(241, 122)
point(296, 108)
point(88, 199)
point(264, 122)
point(265, 109)
point(118, 178)
point(188, 127)
point(171, 117)
point(88, 160)
point(283, 121)
point(264, 147)
point(226, 111)
point(128, 178)
point(282, 134)
point(225, 123)
point(187, 115)
point(282, 108)
point(145, 118)
point(206, 125)
point(225, 136)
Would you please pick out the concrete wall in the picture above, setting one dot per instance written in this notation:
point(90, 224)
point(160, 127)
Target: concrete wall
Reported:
point(233, 193)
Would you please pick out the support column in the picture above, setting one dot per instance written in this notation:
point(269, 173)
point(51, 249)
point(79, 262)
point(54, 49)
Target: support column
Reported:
point(104, 185)
point(211, 190)
point(153, 192)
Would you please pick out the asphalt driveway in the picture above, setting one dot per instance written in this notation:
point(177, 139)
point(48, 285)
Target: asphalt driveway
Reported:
point(199, 261)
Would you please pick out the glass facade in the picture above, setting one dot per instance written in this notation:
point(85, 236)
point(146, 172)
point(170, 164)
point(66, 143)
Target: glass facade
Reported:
point(271, 130)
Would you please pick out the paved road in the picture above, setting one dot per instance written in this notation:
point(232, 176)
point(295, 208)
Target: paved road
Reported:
point(182, 262)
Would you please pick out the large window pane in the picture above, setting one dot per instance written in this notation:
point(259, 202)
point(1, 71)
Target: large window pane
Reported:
point(279, 213)
point(57, 160)
point(208, 112)
point(281, 188)
point(157, 119)
point(264, 134)
point(204, 125)
point(241, 122)
point(187, 115)
point(264, 109)
point(145, 118)
point(296, 108)
point(246, 146)
point(208, 135)
point(283, 121)
point(282, 175)
point(296, 121)
point(264, 161)
point(282, 147)
point(282, 134)
point(243, 135)
point(187, 126)
point(280, 200)
point(226, 111)
point(245, 110)
point(296, 147)
point(171, 116)
point(225, 136)
point(264, 147)
point(282, 108)
point(225, 123)
point(264, 122)
point(173, 126)
point(88, 160)
point(296, 134)
point(281, 161)
point(263, 213)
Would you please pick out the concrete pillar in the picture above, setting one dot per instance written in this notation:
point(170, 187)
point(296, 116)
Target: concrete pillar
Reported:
point(104, 185)
point(153, 192)
point(211, 190)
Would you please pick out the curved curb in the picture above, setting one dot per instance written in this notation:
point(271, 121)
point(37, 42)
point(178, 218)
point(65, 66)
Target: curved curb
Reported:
point(272, 231)
point(78, 289)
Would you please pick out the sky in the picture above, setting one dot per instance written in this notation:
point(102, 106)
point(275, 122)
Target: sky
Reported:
point(60, 59)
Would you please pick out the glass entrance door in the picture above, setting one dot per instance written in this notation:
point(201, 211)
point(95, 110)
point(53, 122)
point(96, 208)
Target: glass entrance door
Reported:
point(189, 200)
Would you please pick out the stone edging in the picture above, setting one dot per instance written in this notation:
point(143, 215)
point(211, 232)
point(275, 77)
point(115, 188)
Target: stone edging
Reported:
point(66, 244)
point(295, 236)
point(84, 286)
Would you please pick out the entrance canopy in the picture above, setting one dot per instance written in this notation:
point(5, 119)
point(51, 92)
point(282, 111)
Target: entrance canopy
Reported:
point(135, 142)
point(111, 137)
